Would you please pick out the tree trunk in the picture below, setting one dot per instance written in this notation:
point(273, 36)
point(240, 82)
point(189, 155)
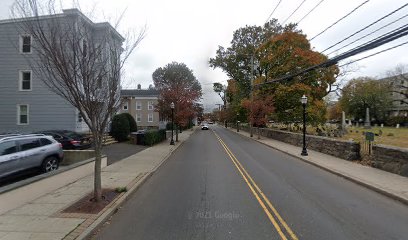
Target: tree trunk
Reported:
point(98, 162)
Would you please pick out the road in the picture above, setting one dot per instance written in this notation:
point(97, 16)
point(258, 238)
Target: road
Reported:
point(220, 185)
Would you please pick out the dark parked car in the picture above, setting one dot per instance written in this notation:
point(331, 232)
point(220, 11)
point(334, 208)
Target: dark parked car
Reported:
point(70, 139)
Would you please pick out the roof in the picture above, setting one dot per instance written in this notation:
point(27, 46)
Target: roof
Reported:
point(65, 13)
point(139, 93)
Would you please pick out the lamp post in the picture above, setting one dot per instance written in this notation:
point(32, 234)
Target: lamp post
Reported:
point(303, 100)
point(237, 122)
point(172, 122)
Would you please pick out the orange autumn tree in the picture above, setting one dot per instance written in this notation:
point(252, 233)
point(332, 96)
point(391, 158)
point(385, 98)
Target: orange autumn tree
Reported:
point(258, 110)
point(290, 52)
point(176, 83)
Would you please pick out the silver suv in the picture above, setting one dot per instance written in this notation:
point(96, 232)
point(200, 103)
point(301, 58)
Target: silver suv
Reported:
point(21, 152)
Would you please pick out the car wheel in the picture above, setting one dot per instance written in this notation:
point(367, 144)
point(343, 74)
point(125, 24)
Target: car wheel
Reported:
point(50, 164)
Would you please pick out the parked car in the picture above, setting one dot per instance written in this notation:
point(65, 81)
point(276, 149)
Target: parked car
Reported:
point(69, 139)
point(22, 152)
point(204, 127)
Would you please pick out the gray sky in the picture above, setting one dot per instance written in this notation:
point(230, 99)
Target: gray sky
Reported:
point(190, 31)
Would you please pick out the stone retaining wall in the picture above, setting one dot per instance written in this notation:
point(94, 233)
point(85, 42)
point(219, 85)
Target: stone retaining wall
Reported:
point(348, 150)
point(74, 156)
point(387, 158)
point(391, 159)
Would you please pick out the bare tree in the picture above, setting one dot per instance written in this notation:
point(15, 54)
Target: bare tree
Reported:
point(79, 60)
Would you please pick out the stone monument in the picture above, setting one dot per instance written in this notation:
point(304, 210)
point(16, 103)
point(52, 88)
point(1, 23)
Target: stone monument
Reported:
point(367, 123)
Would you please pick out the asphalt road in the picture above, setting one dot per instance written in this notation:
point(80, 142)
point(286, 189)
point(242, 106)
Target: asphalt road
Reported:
point(220, 185)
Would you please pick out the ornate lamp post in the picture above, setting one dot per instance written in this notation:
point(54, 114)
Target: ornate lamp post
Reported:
point(303, 100)
point(172, 122)
point(237, 122)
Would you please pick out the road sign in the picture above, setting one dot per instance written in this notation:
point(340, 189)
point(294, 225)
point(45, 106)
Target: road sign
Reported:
point(369, 136)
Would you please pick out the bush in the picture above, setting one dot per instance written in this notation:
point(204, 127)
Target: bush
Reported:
point(154, 136)
point(120, 128)
point(394, 120)
point(132, 122)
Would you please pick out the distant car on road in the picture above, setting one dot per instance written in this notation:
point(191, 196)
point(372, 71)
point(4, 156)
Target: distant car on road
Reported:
point(204, 127)
point(69, 139)
point(22, 152)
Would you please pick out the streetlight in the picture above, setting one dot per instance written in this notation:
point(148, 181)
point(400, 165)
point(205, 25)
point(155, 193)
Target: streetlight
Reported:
point(172, 122)
point(303, 100)
point(237, 122)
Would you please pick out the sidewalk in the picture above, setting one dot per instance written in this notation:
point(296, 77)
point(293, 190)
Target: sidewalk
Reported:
point(389, 184)
point(42, 218)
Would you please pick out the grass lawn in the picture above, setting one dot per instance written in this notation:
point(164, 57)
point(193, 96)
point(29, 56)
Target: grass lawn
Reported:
point(399, 136)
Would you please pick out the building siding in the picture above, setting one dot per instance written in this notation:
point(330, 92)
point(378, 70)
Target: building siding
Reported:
point(47, 110)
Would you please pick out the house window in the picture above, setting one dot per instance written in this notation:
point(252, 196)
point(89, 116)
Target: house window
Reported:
point(25, 80)
point(138, 105)
point(150, 117)
point(138, 117)
point(22, 114)
point(25, 44)
point(150, 105)
point(125, 106)
point(79, 117)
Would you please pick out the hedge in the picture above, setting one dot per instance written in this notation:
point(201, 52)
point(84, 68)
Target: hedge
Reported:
point(154, 136)
point(120, 128)
point(132, 122)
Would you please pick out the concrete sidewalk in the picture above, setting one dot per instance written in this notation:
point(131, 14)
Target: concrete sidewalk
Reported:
point(42, 218)
point(389, 184)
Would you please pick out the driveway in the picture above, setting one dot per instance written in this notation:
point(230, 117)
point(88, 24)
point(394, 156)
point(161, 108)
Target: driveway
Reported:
point(119, 151)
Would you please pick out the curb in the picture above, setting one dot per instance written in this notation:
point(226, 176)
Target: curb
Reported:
point(89, 231)
point(350, 178)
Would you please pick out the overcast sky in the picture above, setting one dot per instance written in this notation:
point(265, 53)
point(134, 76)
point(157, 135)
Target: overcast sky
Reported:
point(191, 31)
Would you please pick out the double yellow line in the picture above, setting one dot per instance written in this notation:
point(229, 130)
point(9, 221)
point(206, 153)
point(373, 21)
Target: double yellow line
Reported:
point(266, 205)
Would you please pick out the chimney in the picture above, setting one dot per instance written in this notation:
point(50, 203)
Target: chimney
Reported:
point(139, 86)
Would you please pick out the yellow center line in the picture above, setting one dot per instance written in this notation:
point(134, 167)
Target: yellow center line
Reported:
point(246, 176)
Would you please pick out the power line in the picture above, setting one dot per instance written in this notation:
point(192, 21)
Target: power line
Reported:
point(399, 19)
point(362, 48)
point(371, 33)
point(397, 30)
point(307, 14)
point(294, 12)
point(348, 14)
point(270, 15)
point(371, 55)
point(364, 28)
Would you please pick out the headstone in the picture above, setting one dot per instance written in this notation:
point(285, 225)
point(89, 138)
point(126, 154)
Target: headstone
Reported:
point(349, 123)
point(367, 123)
point(397, 125)
point(382, 125)
point(357, 124)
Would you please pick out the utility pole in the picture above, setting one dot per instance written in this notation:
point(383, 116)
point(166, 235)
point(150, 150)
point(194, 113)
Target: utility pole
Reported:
point(219, 111)
point(252, 95)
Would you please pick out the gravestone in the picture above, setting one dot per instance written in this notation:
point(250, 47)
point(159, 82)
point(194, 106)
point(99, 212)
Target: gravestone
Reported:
point(367, 123)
